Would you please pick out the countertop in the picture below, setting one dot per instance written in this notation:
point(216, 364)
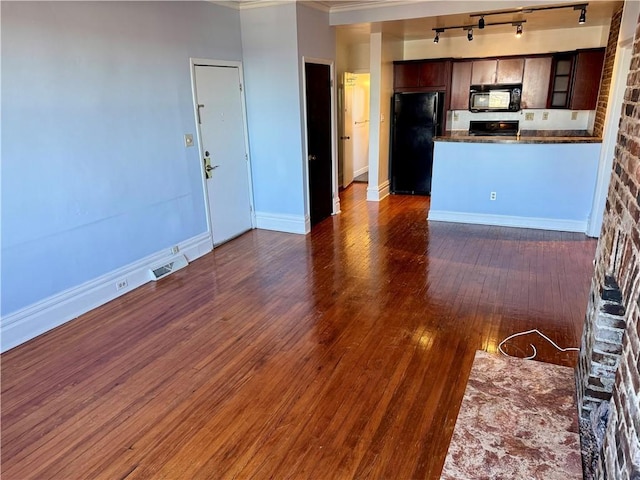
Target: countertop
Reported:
point(526, 136)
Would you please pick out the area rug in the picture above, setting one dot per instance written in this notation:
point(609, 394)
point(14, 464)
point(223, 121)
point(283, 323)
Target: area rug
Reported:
point(518, 420)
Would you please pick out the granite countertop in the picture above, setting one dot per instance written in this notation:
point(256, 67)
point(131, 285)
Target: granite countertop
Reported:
point(526, 136)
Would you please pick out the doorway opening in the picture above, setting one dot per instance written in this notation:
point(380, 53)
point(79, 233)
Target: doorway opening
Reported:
point(354, 138)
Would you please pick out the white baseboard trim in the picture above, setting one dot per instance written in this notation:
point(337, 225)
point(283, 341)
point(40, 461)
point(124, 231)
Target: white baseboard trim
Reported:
point(375, 194)
point(283, 222)
point(509, 221)
point(360, 171)
point(38, 318)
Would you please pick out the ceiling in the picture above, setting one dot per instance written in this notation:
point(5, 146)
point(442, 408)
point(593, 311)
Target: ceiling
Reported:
point(599, 13)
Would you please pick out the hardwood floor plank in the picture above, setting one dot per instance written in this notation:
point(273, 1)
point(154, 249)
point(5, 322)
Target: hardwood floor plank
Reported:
point(340, 354)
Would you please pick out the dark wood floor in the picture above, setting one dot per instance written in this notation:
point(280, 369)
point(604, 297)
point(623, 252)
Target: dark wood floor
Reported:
point(340, 354)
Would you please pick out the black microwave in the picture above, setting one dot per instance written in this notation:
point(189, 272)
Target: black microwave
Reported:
point(495, 98)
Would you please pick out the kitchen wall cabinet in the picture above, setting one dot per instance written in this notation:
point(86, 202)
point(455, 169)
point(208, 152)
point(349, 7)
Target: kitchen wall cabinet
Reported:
point(510, 70)
point(499, 70)
point(535, 82)
point(421, 75)
point(587, 72)
point(460, 83)
point(483, 72)
point(575, 79)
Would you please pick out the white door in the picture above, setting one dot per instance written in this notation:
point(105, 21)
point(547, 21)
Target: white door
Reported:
point(222, 132)
point(360, 130)
point(348, 82)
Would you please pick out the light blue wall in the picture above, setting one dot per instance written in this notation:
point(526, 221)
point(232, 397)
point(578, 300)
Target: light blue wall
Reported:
point(270, 56)
point(95, 99)
point(545, 181)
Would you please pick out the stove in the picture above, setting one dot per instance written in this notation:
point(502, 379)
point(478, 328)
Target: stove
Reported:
point(494, 127)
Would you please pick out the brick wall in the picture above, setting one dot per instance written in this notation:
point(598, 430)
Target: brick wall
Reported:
point(607, 73)
point(614, 305)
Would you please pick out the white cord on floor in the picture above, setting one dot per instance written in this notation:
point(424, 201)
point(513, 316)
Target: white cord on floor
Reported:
point(534, 348)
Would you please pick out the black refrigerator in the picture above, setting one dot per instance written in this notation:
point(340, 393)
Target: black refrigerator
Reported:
point(417, 118)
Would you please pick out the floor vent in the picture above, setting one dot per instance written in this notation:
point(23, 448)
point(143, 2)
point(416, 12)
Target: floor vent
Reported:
point(162, 271)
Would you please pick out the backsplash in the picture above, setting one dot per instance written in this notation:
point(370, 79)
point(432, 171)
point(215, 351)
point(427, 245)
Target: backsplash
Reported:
point(556, 119)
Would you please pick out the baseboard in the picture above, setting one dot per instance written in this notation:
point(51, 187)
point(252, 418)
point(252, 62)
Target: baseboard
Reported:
point(29, 322)
point(283, 222)
point(360, 171)
point(375, 194)
point(509, 221)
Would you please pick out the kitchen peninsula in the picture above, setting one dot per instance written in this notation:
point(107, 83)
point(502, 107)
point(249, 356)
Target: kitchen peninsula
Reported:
point(533, 180)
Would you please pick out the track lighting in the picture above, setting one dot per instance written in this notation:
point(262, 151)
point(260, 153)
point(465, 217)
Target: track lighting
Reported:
point(518, 30)
point(470, 34)
point(583, 16)
point(437, 37)
point(481, 23)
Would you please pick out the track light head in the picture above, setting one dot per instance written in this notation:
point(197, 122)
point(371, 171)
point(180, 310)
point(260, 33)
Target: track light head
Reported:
point(518, 30)
point(437, 38)
point(470, 34)
point(481, 23)
point(583, 16)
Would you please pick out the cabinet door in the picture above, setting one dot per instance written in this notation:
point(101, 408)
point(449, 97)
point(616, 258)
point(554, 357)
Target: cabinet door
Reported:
point(535, 83)
point(433, 74)
point(406, 75)
point(561, 80)
point(510, 70)
point(483, 72)
point(460, 82)
point(586, 79)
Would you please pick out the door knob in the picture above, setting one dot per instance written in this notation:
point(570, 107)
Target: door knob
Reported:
point(312, 158)
point(345, 138)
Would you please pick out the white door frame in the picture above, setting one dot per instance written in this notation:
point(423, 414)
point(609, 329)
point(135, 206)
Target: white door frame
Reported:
point(334, 146)
point(193, 62)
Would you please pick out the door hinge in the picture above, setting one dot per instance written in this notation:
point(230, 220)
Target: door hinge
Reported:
point(240, 87)
point(331, 83)
point(246, 157)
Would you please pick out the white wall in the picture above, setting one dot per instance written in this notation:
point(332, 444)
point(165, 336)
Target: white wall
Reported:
point(316, 41)
point(96, 97)
point(487, 44)
point(272, 80)
point(384, 49)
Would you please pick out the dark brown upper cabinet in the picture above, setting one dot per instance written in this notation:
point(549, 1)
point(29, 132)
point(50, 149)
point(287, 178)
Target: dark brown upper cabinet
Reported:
point(575, 79)
point(510, 70)
point(499, 70)
point(535, 82)
point(421, 75)
point(586, 79)
point(483, 72)
point(460, 83)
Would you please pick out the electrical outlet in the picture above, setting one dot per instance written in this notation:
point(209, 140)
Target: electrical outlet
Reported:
point(545, 115)
point(175, 249)
point(528, 116)
point(122, 284)
point(574, 115)
point(492, 196)
point(456, 116)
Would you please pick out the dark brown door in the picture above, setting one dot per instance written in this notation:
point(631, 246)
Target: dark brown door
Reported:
point(318, 98)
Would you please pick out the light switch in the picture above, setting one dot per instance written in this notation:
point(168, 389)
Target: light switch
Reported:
point(188, 140)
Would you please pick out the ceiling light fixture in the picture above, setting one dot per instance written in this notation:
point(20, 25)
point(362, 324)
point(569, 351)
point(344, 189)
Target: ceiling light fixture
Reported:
point(469, 28)
point(518, 30)
point(583, 15)
point(481, 22)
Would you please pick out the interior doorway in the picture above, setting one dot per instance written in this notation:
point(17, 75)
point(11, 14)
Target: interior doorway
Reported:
point(319, 141)
point(355, 127)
